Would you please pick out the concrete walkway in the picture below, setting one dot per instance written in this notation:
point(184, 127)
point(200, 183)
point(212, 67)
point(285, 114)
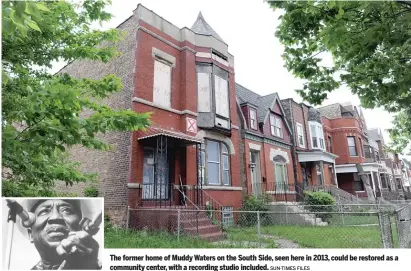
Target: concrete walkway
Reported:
point(280, 242)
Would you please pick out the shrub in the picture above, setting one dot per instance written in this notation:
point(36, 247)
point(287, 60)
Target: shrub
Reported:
point(254, 204)
point(91, 191)
point(320, 202)
point(107, 222)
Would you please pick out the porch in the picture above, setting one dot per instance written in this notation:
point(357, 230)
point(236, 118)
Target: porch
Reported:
point(351, 180)
point(317, 168)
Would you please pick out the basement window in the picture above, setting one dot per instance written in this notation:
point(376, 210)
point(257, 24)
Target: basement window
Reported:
point(228, 217)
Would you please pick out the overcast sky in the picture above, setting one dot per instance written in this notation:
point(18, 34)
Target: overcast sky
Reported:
point(248, 27)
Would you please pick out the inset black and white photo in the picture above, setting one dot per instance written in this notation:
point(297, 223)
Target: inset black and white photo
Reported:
point(52, 233)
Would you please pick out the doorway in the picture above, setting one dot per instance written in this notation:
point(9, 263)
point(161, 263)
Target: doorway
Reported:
point(255, 173)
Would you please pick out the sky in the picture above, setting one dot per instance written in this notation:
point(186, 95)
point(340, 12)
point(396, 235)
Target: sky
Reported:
point(248, 27)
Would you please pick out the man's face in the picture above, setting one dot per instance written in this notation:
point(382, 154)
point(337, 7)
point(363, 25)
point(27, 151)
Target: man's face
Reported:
point(54, 220)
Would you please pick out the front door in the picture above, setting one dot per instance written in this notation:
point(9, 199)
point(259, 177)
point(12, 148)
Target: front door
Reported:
point(155, 176)
point(255, 173)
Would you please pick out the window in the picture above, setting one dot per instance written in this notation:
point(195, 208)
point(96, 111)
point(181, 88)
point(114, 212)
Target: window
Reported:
point(361, 147)
point(214, 164)
point(317, 135)
point(330, 144)
point(221, 96)
point(281, 183)
point(351, 146)
point(162, 83)
point(358, 185)
point(276, 127)
point(204, 92)
point(300, 135)
point(253, 119)
point(213, 94)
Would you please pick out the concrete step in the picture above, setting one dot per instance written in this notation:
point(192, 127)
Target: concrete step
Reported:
point(213, 237)
point(202, 229)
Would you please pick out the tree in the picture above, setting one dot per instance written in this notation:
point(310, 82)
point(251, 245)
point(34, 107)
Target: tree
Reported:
point(370, 43)
point(41, 114)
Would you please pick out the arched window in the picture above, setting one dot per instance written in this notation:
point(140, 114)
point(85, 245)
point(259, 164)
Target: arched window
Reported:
point(215, 163)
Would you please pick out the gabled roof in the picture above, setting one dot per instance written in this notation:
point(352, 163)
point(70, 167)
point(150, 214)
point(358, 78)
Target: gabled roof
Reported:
point(263, 103)
point(200, 26)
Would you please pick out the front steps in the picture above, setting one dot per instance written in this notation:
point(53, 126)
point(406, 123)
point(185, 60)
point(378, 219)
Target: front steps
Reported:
point(192, 222)
point(199, 224)
point(293, 214)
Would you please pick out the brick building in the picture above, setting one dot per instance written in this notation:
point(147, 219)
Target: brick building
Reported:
point(212, 141)
point(356, 173)
point(266, 145)
point(314, 160)
point(185, 77)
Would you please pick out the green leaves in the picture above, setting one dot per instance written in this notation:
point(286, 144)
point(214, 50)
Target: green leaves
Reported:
point(369, 44)
point(44, 115)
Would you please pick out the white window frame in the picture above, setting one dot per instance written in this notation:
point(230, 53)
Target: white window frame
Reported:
point(319, 134)
point(281, 188)
point(253, 121)
point(300, 134)
point(158, 97)
point(355, 146)
point(222, 154)
point(276, 126)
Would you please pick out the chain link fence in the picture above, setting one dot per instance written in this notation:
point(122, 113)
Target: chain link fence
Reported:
point(283, 226)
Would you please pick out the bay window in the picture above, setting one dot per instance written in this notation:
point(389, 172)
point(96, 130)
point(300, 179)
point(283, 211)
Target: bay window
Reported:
point(317, 135)
point(213, 96)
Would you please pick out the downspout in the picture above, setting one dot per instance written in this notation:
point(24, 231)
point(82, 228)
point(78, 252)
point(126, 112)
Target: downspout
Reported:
point(306, 141)
point(293, 147)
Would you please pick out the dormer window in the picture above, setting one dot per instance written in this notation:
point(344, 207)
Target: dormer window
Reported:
point(276, 126)
point(317, 135)
point(253, 119)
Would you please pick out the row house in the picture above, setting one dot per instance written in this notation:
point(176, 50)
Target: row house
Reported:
point(357, 171)
point(212, 141)
point(391, 168)
point(266, 146)
point(190, 155)
point(313, 158)
point(407, 177)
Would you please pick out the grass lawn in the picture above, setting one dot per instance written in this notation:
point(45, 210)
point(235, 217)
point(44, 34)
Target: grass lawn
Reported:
point(318, 237)
point(241, 237)
point(121, 238)
point(344, 219)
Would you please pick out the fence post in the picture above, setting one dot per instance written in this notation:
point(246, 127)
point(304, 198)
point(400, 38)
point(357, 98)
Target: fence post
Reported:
point(386, 230)
point(128, 218)
point(259, 228)
point(286, 214)
point(178, 224)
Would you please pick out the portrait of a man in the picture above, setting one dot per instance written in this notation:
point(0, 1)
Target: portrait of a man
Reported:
point(62, 231)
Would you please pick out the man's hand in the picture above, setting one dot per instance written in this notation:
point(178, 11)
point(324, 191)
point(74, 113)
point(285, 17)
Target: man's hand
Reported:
point(79, 248)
